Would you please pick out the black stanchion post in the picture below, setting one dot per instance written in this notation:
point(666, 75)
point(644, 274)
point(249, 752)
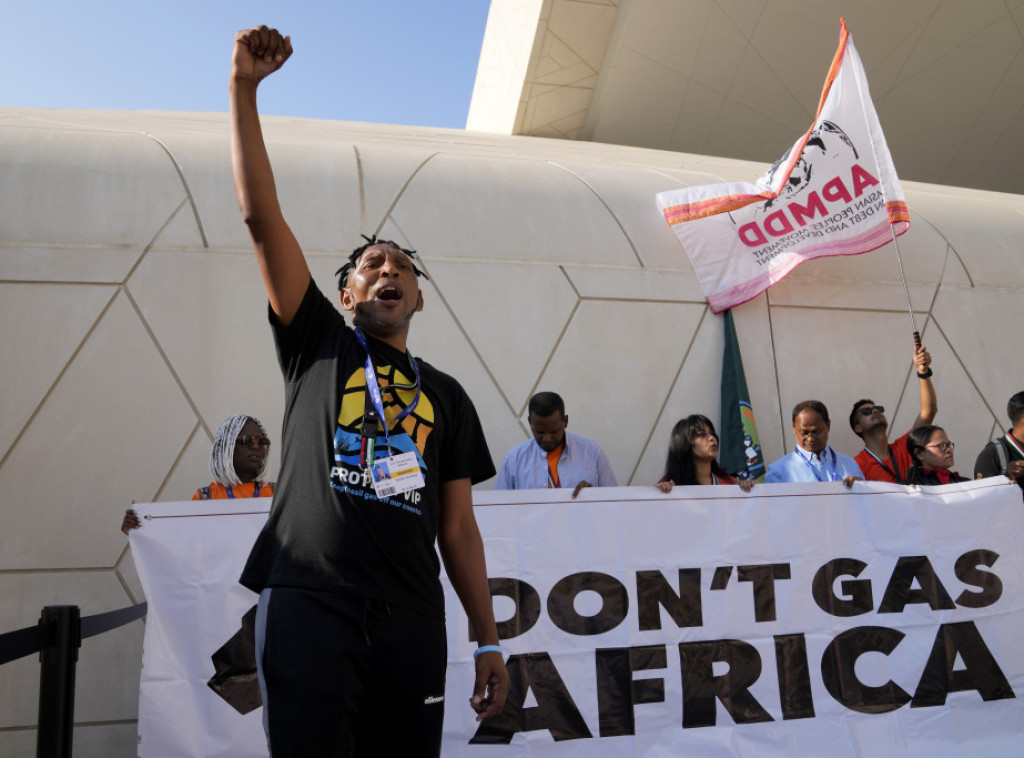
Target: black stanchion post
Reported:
point(57, 682)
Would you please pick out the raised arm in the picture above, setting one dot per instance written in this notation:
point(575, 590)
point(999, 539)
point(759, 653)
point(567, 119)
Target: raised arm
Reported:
point(929, 403)
point(258, 53)
point(463, 553)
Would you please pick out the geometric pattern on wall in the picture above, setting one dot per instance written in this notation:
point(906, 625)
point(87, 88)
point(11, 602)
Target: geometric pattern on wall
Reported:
point(550, 269)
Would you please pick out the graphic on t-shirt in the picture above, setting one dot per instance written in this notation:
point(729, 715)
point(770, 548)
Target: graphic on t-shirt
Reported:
point(418, 424)
point(408, 436)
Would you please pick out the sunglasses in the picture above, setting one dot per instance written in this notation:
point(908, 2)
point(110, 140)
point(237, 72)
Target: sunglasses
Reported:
point(247, 440)
point(867, 410)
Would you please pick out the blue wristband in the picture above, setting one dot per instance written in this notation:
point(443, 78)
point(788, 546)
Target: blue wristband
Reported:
point(487, 649)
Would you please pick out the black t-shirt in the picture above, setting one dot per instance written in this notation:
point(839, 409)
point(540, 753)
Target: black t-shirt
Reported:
point(327, 528)
point(988, 463)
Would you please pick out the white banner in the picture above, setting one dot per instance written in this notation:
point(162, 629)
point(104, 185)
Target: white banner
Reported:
point(189, 557)
point(793, 621)
point(835, 192)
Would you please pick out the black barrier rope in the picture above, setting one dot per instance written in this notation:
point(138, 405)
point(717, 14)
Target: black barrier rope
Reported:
point(104, 622)
point(14, 645)
point(32, 639)
point(57, 636)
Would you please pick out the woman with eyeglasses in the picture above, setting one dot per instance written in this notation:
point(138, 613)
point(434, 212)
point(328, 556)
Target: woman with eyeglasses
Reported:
point(932, 455)
point(238, 465)
point(693, 456)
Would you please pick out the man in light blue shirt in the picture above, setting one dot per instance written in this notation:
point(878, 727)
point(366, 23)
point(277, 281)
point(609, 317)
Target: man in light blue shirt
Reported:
point(554, 457)
point(812, 460)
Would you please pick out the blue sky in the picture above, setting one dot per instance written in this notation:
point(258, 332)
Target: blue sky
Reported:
point(389, 61)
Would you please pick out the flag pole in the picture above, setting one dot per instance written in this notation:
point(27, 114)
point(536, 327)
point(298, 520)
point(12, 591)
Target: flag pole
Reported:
point(906, 289)
point(843, 34)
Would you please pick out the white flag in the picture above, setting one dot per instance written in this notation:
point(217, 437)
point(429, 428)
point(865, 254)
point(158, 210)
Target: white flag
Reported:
point(835, 192)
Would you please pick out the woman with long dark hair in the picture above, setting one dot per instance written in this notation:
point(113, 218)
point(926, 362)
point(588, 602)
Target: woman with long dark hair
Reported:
point(693, 456)
point(932, 455)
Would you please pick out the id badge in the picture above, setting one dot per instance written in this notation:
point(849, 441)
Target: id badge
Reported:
point(397, 474)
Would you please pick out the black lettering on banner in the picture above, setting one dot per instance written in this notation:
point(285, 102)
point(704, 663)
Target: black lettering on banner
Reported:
point(981, 671)
point(959, 660)
point(966, 569)
point(899, 593)
point(763, 577)
point(858, 598)
point(618, 692)
point(701, 688)
point(562, 609)
point(794, 677)
point(527, 607)
point(839, 661)
point(720, 579)
point(555, 710)
point(653, 593)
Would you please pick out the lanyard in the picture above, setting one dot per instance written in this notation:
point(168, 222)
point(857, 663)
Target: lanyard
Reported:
point(376, 401)
point(255, 491)
point(892, 459)
point(832, 476)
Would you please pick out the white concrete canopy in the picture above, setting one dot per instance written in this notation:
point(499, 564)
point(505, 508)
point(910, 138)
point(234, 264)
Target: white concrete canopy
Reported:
point(742, 78)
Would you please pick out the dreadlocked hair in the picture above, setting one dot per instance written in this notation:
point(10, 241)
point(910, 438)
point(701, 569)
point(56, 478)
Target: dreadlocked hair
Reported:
point(222, 457)
point(343, 272)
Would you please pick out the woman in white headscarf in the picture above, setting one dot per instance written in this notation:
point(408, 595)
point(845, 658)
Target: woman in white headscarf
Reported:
point(238, 465)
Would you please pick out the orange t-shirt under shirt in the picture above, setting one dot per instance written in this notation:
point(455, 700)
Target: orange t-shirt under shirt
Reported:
point(553, 458)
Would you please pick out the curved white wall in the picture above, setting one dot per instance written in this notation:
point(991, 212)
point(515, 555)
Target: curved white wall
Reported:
point(134, 321)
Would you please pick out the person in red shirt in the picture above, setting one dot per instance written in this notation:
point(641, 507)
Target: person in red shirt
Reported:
point(881, 461)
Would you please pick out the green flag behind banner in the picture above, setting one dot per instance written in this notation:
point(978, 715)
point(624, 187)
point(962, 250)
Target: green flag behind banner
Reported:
point(739, 449)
